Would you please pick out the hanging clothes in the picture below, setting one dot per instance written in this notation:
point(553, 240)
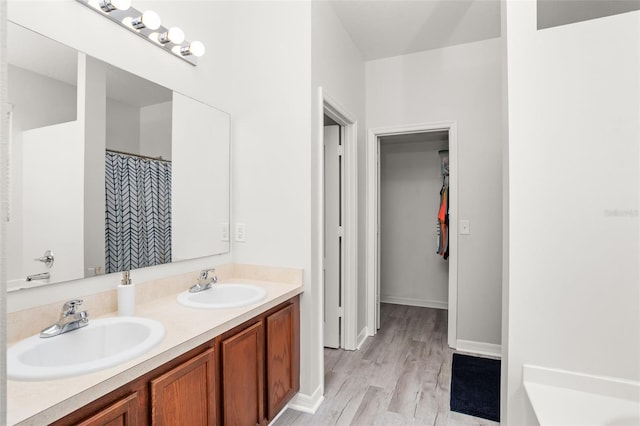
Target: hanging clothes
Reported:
point(443, 221)
point(443, 211)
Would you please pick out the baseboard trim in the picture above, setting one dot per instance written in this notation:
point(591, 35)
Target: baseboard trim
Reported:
point(479, 348)
point(307, 403)
point(414, 302)
point(362, 336)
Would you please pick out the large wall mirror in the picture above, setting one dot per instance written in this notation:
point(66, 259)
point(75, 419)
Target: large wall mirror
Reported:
point(108, 171)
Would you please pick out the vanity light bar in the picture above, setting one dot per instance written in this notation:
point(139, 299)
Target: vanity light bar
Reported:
point(147, 25)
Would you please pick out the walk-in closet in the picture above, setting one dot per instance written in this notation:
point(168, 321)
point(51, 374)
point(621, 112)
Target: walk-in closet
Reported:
point(414, 266)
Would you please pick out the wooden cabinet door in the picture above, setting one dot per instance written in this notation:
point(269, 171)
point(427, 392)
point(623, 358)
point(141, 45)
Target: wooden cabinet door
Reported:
point(243, 377)
point(283, 358)
point(121, 413)
point(186, 394)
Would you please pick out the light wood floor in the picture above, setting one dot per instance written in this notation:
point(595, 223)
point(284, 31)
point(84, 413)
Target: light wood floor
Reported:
point(399, 377)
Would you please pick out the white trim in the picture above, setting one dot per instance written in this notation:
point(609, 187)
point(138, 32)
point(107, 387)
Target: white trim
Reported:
point(603, 385)
point(569, 397)
point(362, 336)
point(317, 273)
point(340, 115)
point(372, 212)
point(423, 303)
point(307, 403)
point(479, 348)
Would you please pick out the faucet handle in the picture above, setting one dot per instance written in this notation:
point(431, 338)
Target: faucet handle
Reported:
point(47, 259)
point(205, 278)
point(69, 307)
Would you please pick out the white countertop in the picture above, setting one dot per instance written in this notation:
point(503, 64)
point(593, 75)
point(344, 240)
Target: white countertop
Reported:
point(566, 398)
point(37, 403)
point(555, 405)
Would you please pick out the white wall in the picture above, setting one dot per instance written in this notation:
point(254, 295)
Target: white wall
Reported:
point(4, 204)
point(271, 150)
point(461, 83)
point(337, 67)
point(37, 101)
point(155, 130)
point(92, 119)
point(123, 127)
point(78, 27)
point(200, 151)
point(145, 130)
point(574, 189)
point(411, 272)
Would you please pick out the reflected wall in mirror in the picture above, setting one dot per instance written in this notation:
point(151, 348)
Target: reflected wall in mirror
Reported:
point(109, 171)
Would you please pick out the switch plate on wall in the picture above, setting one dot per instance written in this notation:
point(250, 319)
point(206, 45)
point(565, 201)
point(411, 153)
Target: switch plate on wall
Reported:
point(224, 231)
point(240, 232)
point(464, 227)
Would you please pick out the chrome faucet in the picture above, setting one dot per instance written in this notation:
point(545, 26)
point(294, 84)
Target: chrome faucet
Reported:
point(42, 276)
point(205, 280)
point(70, 319)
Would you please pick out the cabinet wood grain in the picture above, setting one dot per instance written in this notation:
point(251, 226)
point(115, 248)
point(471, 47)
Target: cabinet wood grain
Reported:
point(186, 394)
point(120, 413)
point(243, 377)
point(283, 357)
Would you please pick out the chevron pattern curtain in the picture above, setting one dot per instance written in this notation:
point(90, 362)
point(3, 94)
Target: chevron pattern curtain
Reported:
point(138, 212)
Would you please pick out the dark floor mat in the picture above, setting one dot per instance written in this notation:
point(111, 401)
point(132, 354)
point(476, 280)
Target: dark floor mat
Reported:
point(475, 386)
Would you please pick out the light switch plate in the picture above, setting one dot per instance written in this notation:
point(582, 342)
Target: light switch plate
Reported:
point(464, 227)
point(224, 231)
point(241, 232)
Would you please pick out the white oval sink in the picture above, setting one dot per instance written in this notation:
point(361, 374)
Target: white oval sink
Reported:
point(223, 296)
point(101, 344)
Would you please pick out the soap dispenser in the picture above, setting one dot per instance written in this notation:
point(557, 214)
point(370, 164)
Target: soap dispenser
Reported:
point(126, 296)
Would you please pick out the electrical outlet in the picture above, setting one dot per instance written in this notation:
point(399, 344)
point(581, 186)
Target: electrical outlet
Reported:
point(241, 232)
point(224, 231)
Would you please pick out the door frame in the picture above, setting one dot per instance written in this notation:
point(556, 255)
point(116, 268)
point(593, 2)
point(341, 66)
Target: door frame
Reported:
point(372, 279)
point(349, 127)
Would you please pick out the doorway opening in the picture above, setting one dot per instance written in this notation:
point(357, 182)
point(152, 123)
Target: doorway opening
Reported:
point(333, 233)
point(415, 143)
point(339, 234)
point(413, 240)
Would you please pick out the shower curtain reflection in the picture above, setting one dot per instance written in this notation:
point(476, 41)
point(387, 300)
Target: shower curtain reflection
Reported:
point(138, 212)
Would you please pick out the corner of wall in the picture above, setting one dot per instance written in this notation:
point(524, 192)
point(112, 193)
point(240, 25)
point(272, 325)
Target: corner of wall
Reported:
point(307, 403)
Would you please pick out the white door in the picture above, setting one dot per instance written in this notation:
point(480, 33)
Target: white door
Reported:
point(332, 237)
point(53, 176)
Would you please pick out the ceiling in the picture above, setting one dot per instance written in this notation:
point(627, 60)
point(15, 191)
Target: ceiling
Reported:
point(397, 27)
point(385, 28)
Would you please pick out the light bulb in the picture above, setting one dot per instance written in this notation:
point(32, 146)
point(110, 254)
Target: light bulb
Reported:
point(111, 5)
point(149, 19)
point(175, 35)
point(196, 48)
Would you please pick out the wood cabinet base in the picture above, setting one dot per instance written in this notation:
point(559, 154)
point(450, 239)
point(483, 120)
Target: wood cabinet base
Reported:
point(243, 377)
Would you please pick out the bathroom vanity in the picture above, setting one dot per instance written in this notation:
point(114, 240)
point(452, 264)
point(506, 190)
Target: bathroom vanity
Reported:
point(214, 366)
point(244, 376)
